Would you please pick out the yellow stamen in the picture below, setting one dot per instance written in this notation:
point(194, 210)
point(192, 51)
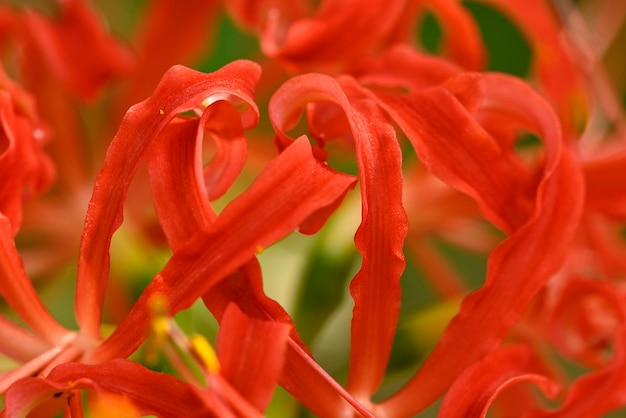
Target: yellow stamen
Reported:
point(204, 353)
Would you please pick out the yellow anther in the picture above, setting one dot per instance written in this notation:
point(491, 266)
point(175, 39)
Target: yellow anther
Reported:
point(204, 353)
point(161, 328)
point(161, 112)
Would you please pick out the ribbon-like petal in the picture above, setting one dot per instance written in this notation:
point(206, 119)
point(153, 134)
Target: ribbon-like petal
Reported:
point(180, 90)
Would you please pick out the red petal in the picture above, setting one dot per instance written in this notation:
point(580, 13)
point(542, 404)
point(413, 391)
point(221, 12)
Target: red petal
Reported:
point(180, 90)
point(21, 151)
point(520, 266)
point(151, 392)
point(76, 49)
point(606, 190)
point(380, 237)
point(19, 344)
point(252, 14)
point(401, 66)
point(301, 376)
point(176, 170)
point(476, 166)
point(175, 177)
point(597, 393)
point(557, 71)
point(461, 38)
point(338, 31)
point(251, 354)
point(474, 391)
point(583, 321)
point(18, 291)
point(292, 186)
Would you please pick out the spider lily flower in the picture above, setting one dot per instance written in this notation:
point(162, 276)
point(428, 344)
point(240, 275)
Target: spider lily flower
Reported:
point(546, 220)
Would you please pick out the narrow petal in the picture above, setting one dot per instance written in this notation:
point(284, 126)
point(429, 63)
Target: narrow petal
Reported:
point(338, 31)
point(293, 186)
point(18, 344)
point(225, 128)
point(76, 49)
point(474, 391)
point(151, 392)
point(251, 354)
point(606, 192)
point(22, 159)
point(380, 237)
point(554, 66)
point(603, 390)
point(461, 38)
point(180, 90)
point(435, 120)
point(18, 291)
point(402, 67)
point(177, 175)
point(583, 321)
point(175, 178)
point(301, 375)
point(519, 267)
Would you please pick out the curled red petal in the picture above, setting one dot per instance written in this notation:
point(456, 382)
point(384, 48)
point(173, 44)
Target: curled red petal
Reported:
point(292, 186)
point(461, 39)
point(520, 266)
point(338, 31)
point(603, 390)
point(22, 157)
point(381, 234)
point(151, 392)
point(402, 67)
point(435, 119)
point(473, 392)
point(251, 354)
point(554, 66)
point(583, 321)
point(180, 90)
point(177, 175)
point(76, 49)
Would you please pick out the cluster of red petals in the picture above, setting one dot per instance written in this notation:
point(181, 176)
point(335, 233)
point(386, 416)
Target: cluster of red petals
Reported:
point(549, 222)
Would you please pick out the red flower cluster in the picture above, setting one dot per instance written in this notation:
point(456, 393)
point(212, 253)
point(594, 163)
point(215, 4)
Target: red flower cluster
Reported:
point(526, 175)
